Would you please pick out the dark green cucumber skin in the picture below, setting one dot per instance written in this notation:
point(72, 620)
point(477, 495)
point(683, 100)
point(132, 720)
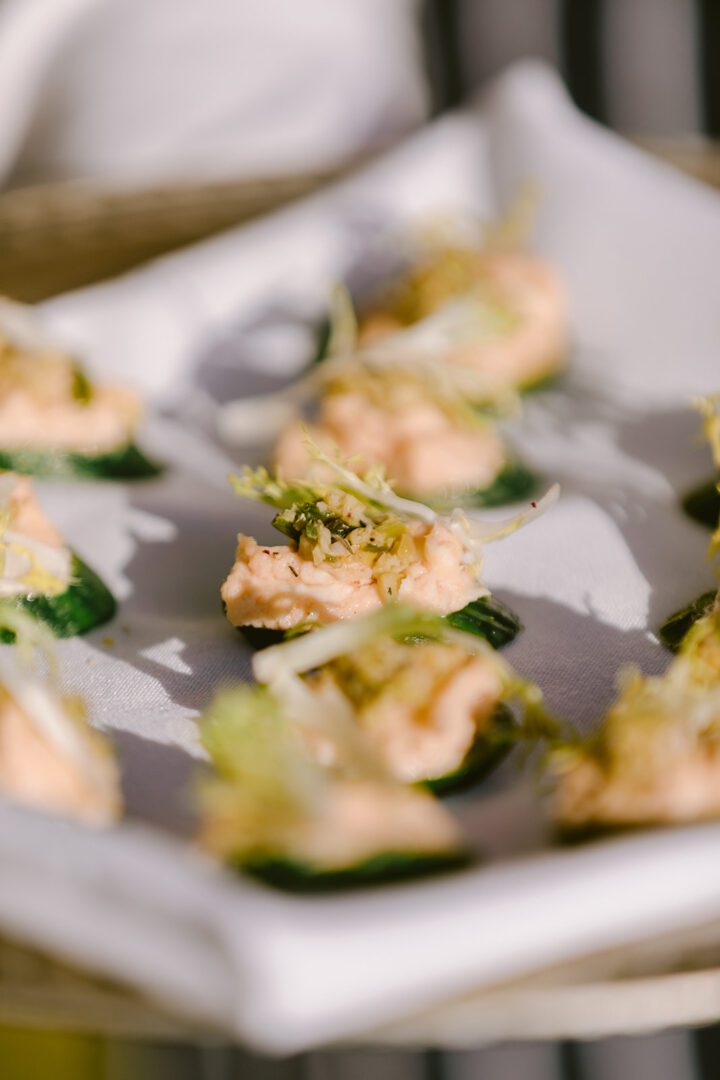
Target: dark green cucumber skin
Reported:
point(127, 463)
point(381, 869)
point(260, 637)
point(675, 629)
point(703, 504)
point(593, 832)
point(322, 341)
point(487, 618)
point(490, 748)
point(513, 483)
point(85, 605)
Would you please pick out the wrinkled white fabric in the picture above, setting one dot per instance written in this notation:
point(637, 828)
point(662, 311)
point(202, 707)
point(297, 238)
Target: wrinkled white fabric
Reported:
point(640, 246)
point(127, 92)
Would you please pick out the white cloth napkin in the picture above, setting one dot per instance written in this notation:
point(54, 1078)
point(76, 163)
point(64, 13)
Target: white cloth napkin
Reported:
point(639, 245)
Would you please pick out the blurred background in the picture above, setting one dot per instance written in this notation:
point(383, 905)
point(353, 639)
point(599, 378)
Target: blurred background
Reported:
point(132, 127)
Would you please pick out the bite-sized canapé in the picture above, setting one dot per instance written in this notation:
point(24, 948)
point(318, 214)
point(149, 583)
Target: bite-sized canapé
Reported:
point(53, 419)
point(281, 810)
point(656, 757)
point(422, 705)
point(506, 312)
point(354, 546)
point(431, 700)
point(421, 429)
point(50, 757)
point(39, 573)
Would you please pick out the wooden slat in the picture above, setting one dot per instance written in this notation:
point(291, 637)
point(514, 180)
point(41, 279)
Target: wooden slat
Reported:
point(54, 238)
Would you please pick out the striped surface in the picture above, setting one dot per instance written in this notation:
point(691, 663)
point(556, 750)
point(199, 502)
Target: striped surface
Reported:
point(649, 67)
point(124, 1039)
point(29, 1055)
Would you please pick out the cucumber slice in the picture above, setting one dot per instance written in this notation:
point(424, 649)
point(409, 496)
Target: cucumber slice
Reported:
point(261, 637)
point(126, 463)
point(86, 604)
point(592, 831)
point(513, 483)
point(390, 866)
point(488, 618)
point(490, 748)
point(703, 504)
point(673, 631)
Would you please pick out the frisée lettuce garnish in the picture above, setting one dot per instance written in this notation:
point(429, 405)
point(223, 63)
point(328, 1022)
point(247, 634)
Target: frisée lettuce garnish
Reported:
point(709, 409)
point(412, 358)
point(363, 517)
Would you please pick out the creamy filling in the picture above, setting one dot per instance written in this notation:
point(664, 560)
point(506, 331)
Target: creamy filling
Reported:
point(528, 345)
point(421, 706)
point(275, 587)
point(46, 401)
point(688, 790)
point(104, 424)
point(421, 450)
point(359, 820)
point(49, 762)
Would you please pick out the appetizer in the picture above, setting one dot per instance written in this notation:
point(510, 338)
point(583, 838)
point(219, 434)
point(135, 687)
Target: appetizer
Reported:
point(432, 701)
point(418, 426)
point(493, 308)
point(431, 426)
point(53, 420)
point(297, 818)
point(703, 502)
point(656, 757)
point(51, 759)
point(353, 546)
point(39, 573)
